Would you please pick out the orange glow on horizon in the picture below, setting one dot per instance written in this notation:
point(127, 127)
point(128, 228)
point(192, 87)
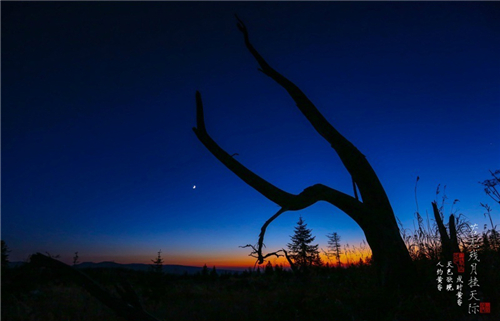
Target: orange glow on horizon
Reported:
point(222, 260)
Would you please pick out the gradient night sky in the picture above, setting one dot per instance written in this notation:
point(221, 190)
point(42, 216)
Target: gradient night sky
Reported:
point(98, 105)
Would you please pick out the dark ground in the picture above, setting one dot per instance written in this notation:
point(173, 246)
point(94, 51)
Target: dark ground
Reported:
point(352, 293)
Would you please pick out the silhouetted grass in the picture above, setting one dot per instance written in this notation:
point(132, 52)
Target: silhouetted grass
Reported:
point(350, 293)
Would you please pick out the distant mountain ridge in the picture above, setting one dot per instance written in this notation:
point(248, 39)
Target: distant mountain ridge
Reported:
point(167, 268)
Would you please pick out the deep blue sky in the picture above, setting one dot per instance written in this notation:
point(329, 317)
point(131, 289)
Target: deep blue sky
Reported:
point(98, 152)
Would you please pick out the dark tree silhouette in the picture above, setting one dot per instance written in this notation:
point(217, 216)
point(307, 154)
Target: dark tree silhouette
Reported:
point(75, 259)
point(303, 253)
point(334, 246)
point(5, 255)
point(269, 269)
point(204, 271)
point(213, 273)
point(372, 211)
point(158, 263)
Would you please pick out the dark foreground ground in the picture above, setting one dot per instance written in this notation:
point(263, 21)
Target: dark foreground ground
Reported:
point(324, 294)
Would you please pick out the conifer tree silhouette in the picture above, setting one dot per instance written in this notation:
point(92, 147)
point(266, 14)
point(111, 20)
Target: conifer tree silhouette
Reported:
point(334, 246)
point(302, 251)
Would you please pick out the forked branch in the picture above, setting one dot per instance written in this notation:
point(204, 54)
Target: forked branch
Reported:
point(287, 201)
point(270, 191)
point(257, 253)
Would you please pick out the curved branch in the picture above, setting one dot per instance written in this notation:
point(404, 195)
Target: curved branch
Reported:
point(309, 196)
point(317, 120)
point(257, 253)
point(353, 160)
point(284, 199)
point(270, 191)
point(260, 258)
point(287, 201)
point(292, 265)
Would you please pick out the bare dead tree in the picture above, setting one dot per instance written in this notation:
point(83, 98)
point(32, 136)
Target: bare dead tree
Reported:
point(257, 253)
point(373, 213)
